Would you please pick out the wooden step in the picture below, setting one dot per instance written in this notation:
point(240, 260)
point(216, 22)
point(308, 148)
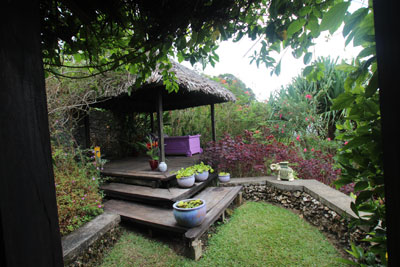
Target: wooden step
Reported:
point(156, 196)
point(217, 200)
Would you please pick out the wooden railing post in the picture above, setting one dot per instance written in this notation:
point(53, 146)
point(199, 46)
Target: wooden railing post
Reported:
point(213, 131)
point(160, 126)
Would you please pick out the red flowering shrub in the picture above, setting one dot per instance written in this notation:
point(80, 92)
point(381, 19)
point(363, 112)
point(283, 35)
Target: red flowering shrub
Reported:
point(244, 156)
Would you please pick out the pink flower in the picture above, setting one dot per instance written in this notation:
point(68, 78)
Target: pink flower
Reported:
point(93, 178)
point(247, 92)
point(305, 150)
point(308, 96)
point(329, 139)
point(280, 116)
point(312, 149)
point(99, 206)
point(283, 131)
point(345, 143)
point(298, 138)
point(83, 198)
point(306, 119)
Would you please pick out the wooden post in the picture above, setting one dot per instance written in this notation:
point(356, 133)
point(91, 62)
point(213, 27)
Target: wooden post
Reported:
point(388, 56)
point(160, 126)
point(195, 249)
point(152, 122)
point(29, 231)
point(239, 199)
point(213, 131)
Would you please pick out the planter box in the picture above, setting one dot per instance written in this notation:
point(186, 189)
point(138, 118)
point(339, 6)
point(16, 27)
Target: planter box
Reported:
point(182, 145)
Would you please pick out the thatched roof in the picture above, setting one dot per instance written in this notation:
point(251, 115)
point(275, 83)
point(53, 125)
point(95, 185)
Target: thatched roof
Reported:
point(194, 90)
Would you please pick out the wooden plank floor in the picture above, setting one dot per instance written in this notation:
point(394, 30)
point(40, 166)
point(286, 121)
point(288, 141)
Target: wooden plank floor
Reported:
point(217, 200)
point(138, 167)
point(158, 196)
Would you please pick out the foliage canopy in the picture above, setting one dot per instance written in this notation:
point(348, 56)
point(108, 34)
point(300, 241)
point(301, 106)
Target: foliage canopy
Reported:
point(138, 35)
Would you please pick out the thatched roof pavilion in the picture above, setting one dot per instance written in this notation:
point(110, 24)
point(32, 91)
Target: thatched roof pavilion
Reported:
point(194, 90)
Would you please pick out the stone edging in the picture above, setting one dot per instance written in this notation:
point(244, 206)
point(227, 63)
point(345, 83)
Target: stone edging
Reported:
point(79, 242)
point(322, 206)
point(333, 199)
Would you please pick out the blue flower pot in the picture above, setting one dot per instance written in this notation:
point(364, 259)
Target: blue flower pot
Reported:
point(190, 217)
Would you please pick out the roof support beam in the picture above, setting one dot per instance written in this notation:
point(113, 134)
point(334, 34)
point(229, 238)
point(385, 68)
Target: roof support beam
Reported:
point(152, 122)
point(213, 131)
point(160, 126)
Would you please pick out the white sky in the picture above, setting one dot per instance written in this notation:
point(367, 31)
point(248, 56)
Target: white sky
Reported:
point(233, 59)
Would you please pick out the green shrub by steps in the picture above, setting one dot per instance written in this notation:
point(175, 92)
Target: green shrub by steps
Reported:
point(77, 180)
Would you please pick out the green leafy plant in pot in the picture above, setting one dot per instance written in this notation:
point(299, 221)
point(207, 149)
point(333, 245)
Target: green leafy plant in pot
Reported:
point(185, 177)
point(224, 177)
point(202, 171)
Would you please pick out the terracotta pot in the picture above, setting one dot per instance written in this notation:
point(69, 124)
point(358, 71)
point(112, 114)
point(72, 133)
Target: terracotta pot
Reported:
point(153, 164)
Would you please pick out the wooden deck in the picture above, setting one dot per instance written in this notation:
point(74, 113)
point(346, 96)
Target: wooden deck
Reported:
point(145, 197)
point(136, 170)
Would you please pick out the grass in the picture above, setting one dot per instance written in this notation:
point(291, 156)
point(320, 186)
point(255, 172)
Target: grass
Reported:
point(258, 234)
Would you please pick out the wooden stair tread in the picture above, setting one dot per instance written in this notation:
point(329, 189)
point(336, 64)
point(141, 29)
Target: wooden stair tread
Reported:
point(217, 200)
point(145, 175)
point(132, 192)
point(145, 214)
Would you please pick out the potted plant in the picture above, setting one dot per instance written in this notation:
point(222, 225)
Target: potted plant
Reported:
point(151, 147)
point(202, 171)
point(224, 177)
point(185, 177)
point(189, 212)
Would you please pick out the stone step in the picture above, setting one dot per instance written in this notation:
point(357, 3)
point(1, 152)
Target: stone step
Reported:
point(217, 200)
point(154, 196)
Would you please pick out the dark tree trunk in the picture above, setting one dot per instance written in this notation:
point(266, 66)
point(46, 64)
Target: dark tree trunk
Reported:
point(387, 50)
point(332, 130)
point(29, 232)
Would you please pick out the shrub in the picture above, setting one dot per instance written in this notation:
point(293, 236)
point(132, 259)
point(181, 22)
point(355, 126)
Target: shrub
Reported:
point(246, 156)
point(77, 180)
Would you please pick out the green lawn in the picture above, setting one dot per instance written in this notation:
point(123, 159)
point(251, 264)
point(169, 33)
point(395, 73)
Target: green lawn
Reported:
point(257, 234)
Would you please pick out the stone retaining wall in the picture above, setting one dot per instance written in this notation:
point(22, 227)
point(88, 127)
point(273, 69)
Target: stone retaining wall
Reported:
point(330, 222)
point(86, 245)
